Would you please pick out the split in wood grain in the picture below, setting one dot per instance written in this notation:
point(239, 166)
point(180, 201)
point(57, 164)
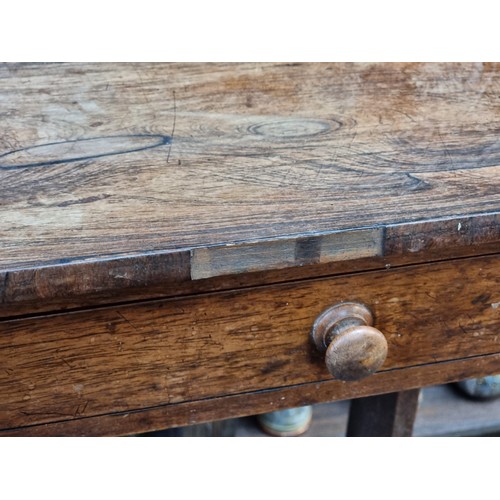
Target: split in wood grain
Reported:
point(79, 150)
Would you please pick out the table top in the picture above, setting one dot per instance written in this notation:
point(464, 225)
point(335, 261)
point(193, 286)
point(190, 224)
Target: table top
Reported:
point(240, 167)
point(121, 184)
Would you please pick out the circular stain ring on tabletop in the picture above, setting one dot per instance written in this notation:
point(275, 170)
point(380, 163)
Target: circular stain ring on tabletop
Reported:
point(293, 128)
point(54, 153)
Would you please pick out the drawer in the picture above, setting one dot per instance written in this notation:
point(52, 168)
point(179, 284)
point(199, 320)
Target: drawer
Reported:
point(63, 367)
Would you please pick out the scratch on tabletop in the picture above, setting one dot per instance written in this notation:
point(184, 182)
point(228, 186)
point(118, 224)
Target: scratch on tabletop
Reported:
point(127, 320)
point(173, 129)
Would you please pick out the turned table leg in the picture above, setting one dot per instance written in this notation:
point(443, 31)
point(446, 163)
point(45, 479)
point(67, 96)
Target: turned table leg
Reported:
point(385, 415)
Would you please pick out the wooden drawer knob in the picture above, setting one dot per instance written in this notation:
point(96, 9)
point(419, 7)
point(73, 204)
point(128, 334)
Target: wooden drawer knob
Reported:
point(353, 348)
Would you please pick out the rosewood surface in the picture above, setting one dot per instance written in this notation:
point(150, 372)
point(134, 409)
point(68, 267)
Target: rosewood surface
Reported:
point(169, 233)
point(123, 176)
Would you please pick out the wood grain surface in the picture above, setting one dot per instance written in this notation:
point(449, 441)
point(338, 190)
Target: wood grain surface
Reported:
point(236, 168)
point(89, 363)
point(207, 410)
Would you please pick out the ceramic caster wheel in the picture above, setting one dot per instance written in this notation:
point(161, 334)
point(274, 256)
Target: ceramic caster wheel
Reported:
point(481, 388)
point(291, 422)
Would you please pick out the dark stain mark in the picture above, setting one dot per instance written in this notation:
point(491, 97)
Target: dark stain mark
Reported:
point(3, 294)
point(111, 327)
point(308, 250)
point(273, 366)
point(289, 65)
point(81, 201)
point(54, 153)
point(75, 71)
point(481, 299)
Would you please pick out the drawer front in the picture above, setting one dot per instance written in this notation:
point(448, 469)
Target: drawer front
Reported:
point(95, 362)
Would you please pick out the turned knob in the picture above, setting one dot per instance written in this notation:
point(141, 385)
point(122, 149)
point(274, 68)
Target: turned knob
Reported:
point(353, 348)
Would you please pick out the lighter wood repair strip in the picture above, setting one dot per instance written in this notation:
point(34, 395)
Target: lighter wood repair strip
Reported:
point(282, 253)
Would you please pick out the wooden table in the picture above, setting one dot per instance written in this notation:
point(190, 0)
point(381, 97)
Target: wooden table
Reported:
point(170, 233)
